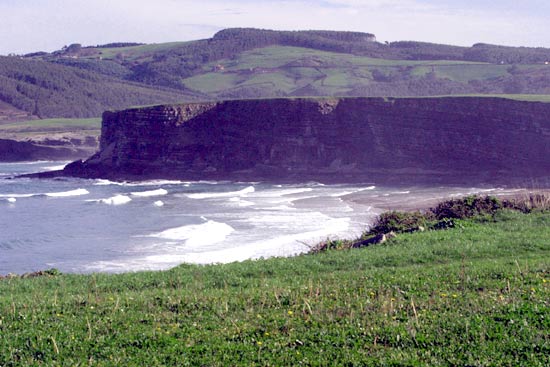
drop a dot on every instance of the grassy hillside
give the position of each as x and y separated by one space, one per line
249 63
283 70
46 89
475 295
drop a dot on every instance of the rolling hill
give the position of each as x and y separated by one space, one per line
80 82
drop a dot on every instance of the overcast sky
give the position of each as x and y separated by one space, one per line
47 25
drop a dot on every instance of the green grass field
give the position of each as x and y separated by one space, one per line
135 52
476 295
330 73
53 124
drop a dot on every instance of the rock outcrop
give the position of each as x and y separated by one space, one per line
394 140
19 151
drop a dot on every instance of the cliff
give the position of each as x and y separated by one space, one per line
395 140
19 151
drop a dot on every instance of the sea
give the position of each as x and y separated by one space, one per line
85 226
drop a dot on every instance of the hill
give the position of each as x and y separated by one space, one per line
477 294
79 81
45 89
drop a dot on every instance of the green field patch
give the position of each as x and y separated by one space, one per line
278 56
213 82
466 73
339 72
53 124
305 73
136 52
278 81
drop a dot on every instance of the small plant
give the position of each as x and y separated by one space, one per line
52 272
399 222
529 203
330 244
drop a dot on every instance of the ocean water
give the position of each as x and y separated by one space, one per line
84 226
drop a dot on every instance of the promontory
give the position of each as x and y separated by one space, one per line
391 140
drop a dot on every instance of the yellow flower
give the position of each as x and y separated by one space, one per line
266 334
455 296
443 294
259 343
290 313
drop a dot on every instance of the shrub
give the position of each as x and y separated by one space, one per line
395 221
467 207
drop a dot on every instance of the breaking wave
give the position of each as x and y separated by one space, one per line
159 192
76 192
197 235
115 200
209 195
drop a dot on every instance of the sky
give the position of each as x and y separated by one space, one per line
47 25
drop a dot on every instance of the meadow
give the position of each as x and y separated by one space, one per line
285 69
40 129
477 294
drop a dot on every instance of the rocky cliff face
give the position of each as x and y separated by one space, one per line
399 140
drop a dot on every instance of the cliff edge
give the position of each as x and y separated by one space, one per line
394 140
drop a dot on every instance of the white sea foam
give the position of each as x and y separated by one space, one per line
115 200
245 203
202 235
353 191
158 203
77 192
12 200
284 192
279 207
343 193
102 182
241 203
17 195
158 192
54 168
197 235
286 245
210 195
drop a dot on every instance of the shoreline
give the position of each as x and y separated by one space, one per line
367 202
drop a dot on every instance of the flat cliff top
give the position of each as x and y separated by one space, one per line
542 98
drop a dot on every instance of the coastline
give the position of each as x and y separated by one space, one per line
244 206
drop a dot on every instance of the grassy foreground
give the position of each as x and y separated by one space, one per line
476 295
